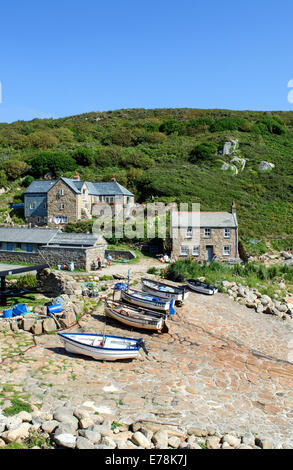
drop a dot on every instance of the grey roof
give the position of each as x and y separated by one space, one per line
111 188
77 239
51 237
204 219
27 235
40 186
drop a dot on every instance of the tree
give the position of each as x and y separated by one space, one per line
57 163
203 152
83 156
14 168
172 126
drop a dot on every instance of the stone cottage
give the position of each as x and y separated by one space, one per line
50 246
205 236
58 202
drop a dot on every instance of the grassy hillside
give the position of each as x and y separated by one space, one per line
166 154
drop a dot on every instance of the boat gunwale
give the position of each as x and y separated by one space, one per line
136 347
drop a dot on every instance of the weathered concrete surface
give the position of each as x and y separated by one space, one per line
222 365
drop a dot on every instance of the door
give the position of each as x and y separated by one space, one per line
209 253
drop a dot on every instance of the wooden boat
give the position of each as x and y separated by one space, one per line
202 287
136 317
164 290
102 347
148 301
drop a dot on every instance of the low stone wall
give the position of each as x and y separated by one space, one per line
118 254
81 257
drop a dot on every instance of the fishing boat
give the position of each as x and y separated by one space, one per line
164 290
136 317
146 300
202 287
102 347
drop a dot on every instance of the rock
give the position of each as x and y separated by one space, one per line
16 434
174 442
37 328
13 422
231 440
24 416
49 325
107 441
141 440
49 426
68 319
64 428
92 436
196 432
265 166
286 255
85 423
65 440
248 439
83 443
80 413
147 433
160 439
27 323
264 443
213 442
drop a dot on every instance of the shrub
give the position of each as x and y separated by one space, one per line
203 152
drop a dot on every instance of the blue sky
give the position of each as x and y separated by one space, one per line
67 57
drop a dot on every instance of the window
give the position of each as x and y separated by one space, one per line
189 232
61 192
227 233
39 220
32 205
227 250
65 219
29 248
207 233
196 250
109 199
45 205
61 207
184 250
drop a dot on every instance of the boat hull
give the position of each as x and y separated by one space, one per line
163 290
201 288
161 305
141 322
82 343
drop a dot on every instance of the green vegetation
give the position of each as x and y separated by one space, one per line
162 154
17 406
251 274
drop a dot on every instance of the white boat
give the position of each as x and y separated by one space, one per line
136 317
102 347
164 290
146 300
201 287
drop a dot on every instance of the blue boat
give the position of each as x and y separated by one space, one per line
148 301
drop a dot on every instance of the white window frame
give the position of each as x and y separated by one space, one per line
64 219
32 205
184 250
196 250
227 233
189 232
225 251
207 233
62 192
61 207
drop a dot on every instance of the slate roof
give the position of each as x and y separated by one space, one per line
111 188
40 186
27 235
77 239
204 219
51 237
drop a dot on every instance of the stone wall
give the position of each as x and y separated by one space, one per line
81 257
69 199
118 254
217 241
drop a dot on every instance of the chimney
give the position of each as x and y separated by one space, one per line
233 208
76 176
113 179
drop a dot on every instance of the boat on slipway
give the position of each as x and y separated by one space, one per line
136 317
164 290
146 300
201 287
102 347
